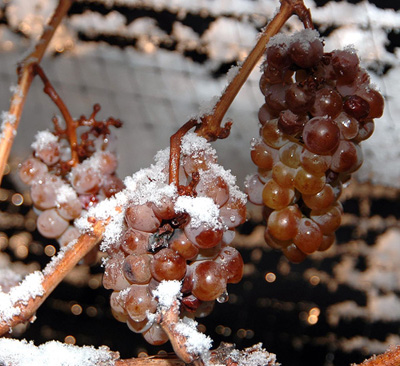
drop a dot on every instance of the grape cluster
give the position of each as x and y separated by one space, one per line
318 108
60 190
168 235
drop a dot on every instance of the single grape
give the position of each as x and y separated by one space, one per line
164 208
328 102
327 242
209 280
263 155
113 278
347 158
356 107
290 154
306 53
142 217
315 163
275 96
273 242
49 153
299 98
32 169
203 236
291 123
308 183
44 191
365 130
309 236
272 135
50 224
155 335
111 185
277 55
214 187
329 219
348 126
182 245
201 161
282 224
85 179
136 268
233 213
360 82
275 196
345 64
293 253
135 241
232 263
374 99
254 189
321 135
118 311
72 233
71 209
168 265
139 327
138 302
283 175
265 114
321 200
107 162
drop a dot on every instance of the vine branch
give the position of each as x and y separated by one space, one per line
54 273
25 76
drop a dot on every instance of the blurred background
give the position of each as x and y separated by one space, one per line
154 64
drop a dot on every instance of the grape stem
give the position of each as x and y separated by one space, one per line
69 121
54 273
25 76
209 125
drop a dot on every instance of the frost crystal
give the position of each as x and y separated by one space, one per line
167 292
42 139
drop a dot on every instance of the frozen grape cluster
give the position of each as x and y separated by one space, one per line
61 189
318 108
167 234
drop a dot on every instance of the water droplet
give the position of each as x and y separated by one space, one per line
223 298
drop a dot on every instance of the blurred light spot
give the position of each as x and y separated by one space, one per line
76 309
241 333
17 199
94 283
91 311
256 255
312 319
201 328
315 311
227 332
21 251
249 334
162 352
270 277
315 280
219 329
30 224
70 339
49 250
142 354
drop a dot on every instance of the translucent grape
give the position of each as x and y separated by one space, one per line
138 302
321 200
293 253
113 278
282 224
254 189
374 99
327 242
111 185
309 236
71 209
299 99
291 123
44 191
155 335
273 242
209 280
232 263
72 233
290 154
168 265
275 96
201 161
321 135
139 327
272 135
348 126
107 162
305 53
308 183
265 114
233 213
164 209
142 217
315 163
327 103
360 82
278 55
136 268
117 309
347 157
85 179
329 219
203 236
283 175
365 130
182 245
50 224
345 64
49 153
356 107
214 187
263 155
275 196
135 241
32 169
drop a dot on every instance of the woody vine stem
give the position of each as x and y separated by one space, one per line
208 126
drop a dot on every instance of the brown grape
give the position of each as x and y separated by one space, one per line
275 196
308 183
182 245
232 263
142 217
309 236
32 169
138 302
263 155
321 135
328 102
282 224
209 280
136 268
50 224
168 265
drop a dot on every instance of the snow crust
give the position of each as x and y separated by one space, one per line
167 292
43 139
23 353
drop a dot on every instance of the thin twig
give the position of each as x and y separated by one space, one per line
210 127
54 273
25 77
69 121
